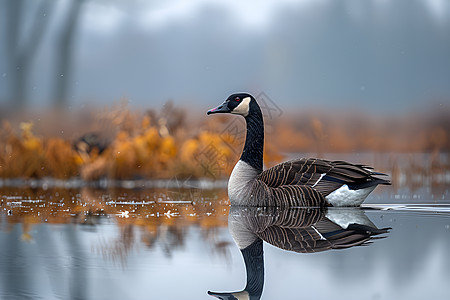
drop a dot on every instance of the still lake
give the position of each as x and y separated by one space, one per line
65 242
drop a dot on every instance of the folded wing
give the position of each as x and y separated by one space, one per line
322 175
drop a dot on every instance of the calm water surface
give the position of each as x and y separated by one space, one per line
176 244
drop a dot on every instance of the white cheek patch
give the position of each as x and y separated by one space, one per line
242 295
243 107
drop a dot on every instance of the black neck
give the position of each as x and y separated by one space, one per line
254 142
254 264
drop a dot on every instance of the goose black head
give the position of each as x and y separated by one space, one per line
239 104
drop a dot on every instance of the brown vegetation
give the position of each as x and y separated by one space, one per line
162 144
356 132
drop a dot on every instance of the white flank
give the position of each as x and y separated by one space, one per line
241 176
243 107
241 235
344 196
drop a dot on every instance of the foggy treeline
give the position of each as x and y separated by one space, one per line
26 30
369 55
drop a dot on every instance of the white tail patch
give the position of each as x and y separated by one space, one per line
344 216
344 196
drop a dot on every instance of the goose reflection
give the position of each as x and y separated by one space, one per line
302 230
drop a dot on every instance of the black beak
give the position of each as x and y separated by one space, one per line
222 108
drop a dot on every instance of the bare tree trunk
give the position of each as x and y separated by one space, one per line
22 48
64 48
16 68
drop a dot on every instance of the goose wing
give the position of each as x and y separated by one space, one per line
322 175
301 239
322 236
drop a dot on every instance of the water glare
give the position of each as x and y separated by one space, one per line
140 244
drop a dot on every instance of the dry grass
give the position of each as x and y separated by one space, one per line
355 132
162 144
140 145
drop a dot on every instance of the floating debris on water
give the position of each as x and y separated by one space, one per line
123 214
175 201
170 214
129 202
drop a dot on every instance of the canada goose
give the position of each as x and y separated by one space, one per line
300 182
299 230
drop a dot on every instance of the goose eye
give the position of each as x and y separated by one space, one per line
237 99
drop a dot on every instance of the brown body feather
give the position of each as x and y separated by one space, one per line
309 175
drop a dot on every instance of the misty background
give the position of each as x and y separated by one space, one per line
378 56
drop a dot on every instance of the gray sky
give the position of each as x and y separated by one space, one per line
384 56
